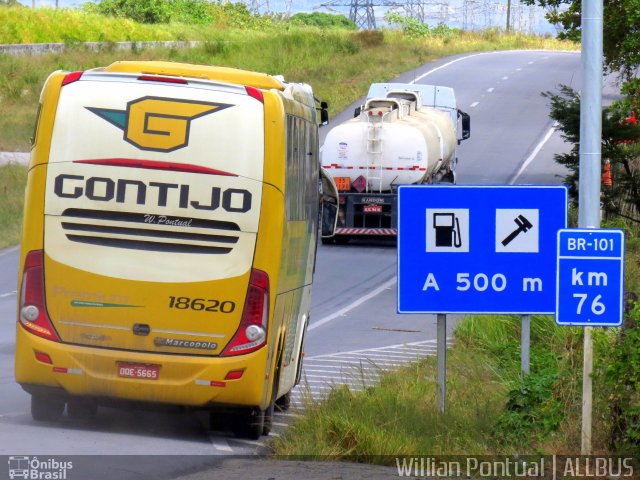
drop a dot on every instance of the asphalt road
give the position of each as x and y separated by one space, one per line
353 311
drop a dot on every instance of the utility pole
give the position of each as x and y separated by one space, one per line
258 6
508 14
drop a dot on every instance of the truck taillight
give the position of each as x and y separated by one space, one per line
33 312
252 332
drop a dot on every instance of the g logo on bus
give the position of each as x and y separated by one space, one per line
158 124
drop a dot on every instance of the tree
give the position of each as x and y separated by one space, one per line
620 148
621 27
620 135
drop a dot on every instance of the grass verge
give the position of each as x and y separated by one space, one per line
339 65
491 408
13 179
398 417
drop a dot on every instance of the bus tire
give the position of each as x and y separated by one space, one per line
249 423
82 408
46 409
327 241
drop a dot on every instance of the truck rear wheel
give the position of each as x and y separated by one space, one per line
46 409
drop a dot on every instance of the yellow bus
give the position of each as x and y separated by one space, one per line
169 241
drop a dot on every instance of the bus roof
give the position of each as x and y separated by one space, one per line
222 74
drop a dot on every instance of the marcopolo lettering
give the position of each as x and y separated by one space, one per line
103 189
173 342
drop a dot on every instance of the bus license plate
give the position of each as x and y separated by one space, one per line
372 208
343 184
137 370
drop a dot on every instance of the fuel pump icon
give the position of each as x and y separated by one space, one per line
447 227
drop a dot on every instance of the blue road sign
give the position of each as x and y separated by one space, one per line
590 282
478 249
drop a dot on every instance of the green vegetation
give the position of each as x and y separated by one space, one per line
339 64
44 25
415 28
491 408
157 11
398 417
12 182
323 20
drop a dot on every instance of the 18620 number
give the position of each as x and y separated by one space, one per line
201 304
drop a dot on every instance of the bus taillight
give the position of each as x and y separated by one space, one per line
33 312
252 333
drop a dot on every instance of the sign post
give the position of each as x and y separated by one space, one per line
525 344
441 386
590 168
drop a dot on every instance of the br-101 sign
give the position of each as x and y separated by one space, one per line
478 249
590 284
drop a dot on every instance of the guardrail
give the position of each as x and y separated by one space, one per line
44 48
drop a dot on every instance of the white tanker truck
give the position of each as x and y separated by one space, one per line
403 134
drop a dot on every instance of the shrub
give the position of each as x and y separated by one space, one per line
622 375
155 11
370 38
323 20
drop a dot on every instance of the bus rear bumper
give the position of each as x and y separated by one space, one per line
197 381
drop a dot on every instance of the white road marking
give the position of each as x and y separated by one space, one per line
9 250
518 69
433 70
288 414
490 89
371 361
505 78
220 444
365 350
391 355
353 305
278 424
530 63
474 104
533 155
8 294
11 414
250 442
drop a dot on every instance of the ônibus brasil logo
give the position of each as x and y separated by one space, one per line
156 123
32 468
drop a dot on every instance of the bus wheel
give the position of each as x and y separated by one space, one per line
82 408
249 423
45 409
